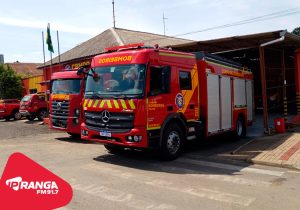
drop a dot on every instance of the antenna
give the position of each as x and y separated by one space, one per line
114 17
164 18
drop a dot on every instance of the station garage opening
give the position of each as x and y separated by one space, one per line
274 59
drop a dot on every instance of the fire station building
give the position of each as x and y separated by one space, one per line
273 57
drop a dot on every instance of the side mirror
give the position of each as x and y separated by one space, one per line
80 71
96 76
84 71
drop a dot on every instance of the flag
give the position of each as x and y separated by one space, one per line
48 39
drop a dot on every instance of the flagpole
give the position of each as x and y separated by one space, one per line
50 64
44 53
58 47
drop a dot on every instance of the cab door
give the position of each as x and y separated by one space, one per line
159 100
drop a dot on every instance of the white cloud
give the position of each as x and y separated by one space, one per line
42 25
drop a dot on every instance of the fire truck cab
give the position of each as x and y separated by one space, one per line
144 97
65 101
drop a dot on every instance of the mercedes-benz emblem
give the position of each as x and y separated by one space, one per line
105 116
59 105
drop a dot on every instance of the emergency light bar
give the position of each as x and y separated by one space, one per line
116 48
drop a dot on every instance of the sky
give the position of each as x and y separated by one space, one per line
22 22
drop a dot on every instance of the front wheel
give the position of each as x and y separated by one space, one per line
113 149
74 135
172 142
42 114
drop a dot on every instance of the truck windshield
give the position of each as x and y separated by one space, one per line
116 81
26 98
67 86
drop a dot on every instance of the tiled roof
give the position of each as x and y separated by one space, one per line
26 69
115 37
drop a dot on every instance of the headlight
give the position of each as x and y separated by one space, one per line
76 112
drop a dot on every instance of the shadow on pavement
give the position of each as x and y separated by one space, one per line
150 161
75 140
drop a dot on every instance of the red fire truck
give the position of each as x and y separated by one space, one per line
173 97
66 94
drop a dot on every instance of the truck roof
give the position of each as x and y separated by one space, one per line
217 59
141 55
69 74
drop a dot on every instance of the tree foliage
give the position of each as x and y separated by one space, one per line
296 31
10 83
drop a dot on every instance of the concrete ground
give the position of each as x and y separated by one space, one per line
139 180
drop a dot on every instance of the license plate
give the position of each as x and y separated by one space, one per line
105 133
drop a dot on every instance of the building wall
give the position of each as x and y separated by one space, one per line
32 84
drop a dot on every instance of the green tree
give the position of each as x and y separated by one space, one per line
296 31
10 83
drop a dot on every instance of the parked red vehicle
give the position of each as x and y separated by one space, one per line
141 97
34 105
9 108
67 90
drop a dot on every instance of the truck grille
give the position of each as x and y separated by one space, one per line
60 108
113 121
60 113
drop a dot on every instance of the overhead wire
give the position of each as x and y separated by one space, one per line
270 16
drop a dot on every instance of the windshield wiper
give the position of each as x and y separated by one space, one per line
123 96
93 95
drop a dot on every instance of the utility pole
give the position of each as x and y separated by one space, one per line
114 18
164 18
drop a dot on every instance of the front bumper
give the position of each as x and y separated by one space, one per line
67 124
24 113
120 138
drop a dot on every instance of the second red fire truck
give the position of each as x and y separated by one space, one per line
66 94
143 97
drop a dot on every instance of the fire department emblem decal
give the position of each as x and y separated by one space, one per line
179 101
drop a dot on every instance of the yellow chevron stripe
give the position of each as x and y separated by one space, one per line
108 104
101 104
123 104
116 104
96 103
85 101
90 103
132 106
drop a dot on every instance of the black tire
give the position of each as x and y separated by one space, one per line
113 149
42 114
30 117
240 130
172 142
74 135
17 115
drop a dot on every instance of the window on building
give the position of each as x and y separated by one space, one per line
32 91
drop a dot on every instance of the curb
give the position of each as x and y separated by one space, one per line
281 165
